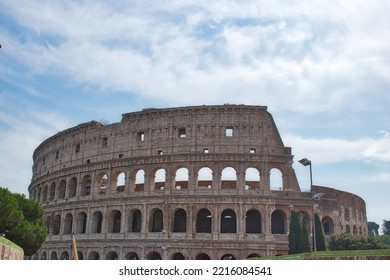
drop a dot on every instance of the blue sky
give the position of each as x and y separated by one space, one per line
321 67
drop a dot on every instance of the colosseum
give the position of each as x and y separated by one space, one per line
197 182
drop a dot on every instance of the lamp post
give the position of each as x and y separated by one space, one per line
316 195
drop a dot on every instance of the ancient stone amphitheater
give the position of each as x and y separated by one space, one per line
200 182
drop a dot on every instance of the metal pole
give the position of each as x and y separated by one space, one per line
312 211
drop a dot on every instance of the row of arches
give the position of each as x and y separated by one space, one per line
228 222
153 255
205 178
178 221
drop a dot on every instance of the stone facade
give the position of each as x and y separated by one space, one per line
201 182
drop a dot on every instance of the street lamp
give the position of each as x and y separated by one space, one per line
316 195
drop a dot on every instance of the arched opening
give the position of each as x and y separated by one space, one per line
203 221
135 221
252 179
178 256
276 179
97 220
44 256
327 225
180 221
355 230
228 178
181 178
227 257
252 221
72 187
140 181
52 191
278 222
228 221
56 224
202 256
81 222
53 256
132 256
254 255
347 229
102 182
115 218
159 179
120 182
154 256
86 185
93 256
64 255
205 178
156 221
68 224
80 255
112 256
44 193
48 224
62 189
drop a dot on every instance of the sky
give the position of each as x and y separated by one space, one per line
321 67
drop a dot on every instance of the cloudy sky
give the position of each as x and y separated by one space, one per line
321 67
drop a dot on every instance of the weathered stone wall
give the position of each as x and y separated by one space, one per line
10 251
190 182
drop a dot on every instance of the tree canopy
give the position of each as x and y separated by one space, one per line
386 227
21 221
373 229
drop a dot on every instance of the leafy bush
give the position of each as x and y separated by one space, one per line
346 241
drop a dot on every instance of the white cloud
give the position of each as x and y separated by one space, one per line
329 150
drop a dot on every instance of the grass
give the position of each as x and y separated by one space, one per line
332 254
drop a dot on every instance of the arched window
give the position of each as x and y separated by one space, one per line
180 221
52 192
347 229
228 221
228 257
228 178
203 221
64 255
276 179
135 221
81 222
93 256
53 256
252 179
56 224
97 220
44 193
327 224
132 256
62 189
205 178
181 178
156 221
112 256
48 224
68 224
86 185
178 256
120 182
72 187
140 180
115 218
154 256
102 183
278 222
202 256
253 222
159 179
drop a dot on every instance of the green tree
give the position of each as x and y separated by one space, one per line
321 246
304 245
386 227
373 229
294 235
21 221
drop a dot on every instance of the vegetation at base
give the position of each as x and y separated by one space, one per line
346 241
21 221
320 238
332 254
